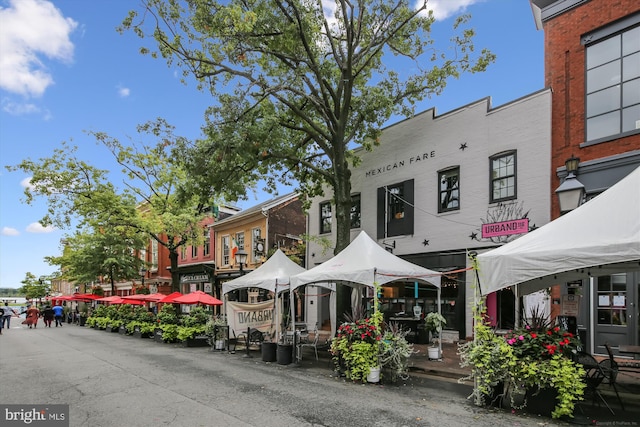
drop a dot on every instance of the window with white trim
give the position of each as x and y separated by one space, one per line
503 177
226 250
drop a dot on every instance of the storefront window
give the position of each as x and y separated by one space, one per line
612 300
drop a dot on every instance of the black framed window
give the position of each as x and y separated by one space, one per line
395 209
503 177
206 248
449 189
355 211
325 217
612 68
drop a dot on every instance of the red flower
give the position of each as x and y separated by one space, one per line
534 335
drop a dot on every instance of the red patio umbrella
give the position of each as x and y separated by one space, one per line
197 297
85 297
169 298
146 297
115 299
62 298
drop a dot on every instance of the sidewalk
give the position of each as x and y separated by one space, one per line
588 412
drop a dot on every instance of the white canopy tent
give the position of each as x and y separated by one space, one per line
599 238
365 263
274 275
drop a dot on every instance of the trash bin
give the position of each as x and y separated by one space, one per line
284 354
269 350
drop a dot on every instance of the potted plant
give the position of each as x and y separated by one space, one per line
357 347
192 331
532 364
167 322
216 330
396 350
433 322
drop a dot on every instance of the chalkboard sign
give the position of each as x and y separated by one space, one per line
568 323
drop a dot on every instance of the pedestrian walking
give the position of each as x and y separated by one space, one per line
47 315
7 312
58 312
32 317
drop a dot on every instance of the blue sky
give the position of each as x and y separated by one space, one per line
65 70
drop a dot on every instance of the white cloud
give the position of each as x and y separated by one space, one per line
36 227
123 91
443 9
32 30
8 231
19 108
26 183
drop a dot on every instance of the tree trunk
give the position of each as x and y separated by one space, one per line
175 278
342 200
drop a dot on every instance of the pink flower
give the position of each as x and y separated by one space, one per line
521 338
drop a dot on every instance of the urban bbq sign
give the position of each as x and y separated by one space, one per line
505 228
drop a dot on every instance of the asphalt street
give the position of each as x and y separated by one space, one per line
115 380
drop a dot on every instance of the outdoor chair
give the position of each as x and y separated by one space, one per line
610 370
315 343
593 377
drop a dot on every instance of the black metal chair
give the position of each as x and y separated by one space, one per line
610 370
594 376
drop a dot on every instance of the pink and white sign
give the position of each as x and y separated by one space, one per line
505 228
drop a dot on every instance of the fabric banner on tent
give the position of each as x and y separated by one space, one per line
241 315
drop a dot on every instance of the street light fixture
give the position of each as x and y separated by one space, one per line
571 191
241 258
143 273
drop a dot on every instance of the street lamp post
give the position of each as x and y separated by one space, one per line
143 272
571 191
241 258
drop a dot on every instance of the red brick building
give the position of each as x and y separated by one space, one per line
592 65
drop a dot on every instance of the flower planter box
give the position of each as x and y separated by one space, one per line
82 321
199 341
538 401
138 334
114 330
157 336
122 330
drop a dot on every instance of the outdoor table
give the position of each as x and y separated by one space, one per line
632 349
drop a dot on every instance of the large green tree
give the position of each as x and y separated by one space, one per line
106 254
33 287
147 202
298 84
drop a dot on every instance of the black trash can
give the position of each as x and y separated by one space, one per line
284 354
269 350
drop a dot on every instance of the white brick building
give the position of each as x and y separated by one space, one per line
425 192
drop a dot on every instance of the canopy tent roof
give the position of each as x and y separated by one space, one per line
365 262
599 238
277 269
